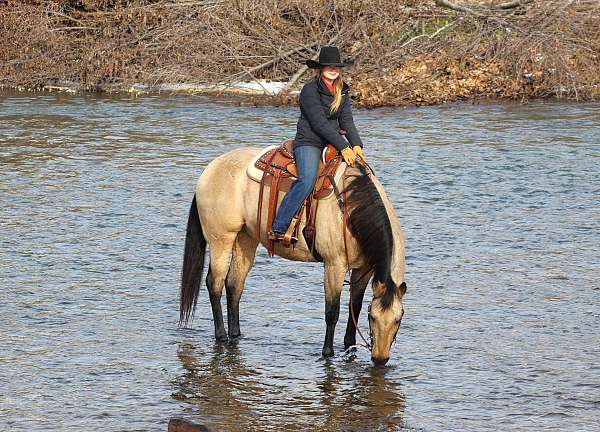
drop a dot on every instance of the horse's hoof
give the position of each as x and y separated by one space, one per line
349 343
327 352
350 349
222 338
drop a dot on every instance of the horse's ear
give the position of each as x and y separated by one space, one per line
403 288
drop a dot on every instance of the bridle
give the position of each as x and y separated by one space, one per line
369 344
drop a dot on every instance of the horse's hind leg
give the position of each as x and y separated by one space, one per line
244 251
358 284
220 250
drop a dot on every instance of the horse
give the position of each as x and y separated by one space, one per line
223 214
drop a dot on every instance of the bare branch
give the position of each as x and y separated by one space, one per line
270 62
430 36
512 4
72 28
64 16
454 6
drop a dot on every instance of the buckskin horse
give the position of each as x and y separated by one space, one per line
223 214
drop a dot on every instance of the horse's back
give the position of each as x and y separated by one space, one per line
228 199
221 188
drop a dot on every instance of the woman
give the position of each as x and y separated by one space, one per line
325 110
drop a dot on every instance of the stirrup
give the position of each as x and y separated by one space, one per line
289 238
287 242
275 235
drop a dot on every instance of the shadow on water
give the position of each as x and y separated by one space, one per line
225 393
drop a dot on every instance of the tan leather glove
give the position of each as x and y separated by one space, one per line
359 152
349 156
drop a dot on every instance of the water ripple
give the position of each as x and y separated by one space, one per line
499 208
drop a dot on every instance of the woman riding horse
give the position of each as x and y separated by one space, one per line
325 111
356 228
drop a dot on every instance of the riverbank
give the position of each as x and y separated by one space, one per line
406 53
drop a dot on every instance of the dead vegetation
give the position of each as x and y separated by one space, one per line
406 52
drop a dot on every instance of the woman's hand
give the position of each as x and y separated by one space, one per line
349 156
359 152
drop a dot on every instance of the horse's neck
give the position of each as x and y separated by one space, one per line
398 260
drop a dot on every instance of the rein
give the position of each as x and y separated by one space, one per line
367 345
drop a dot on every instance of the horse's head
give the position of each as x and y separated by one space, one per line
385 314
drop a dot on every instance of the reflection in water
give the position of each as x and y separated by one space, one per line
361 398
230 395
220 385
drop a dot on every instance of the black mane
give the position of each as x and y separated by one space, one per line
369 223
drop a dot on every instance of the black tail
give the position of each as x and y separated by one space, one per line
193 266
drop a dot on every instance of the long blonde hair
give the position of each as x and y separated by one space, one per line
337 90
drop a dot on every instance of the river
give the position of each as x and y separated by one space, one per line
500 207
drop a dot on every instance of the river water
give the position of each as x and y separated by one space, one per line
500 205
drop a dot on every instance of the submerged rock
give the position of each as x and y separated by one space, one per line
180 425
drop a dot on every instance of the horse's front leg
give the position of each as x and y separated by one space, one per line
358 284
334 280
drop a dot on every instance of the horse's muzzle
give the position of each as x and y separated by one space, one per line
379 361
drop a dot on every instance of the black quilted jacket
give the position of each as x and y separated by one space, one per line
317 125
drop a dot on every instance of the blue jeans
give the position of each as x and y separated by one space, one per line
307 162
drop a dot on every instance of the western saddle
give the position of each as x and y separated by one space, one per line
279 171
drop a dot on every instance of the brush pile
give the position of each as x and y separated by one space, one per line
405 51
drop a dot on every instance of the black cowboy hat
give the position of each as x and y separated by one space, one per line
328 56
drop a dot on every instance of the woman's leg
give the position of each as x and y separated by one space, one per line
307 162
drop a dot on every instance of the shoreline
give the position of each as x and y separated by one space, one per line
259 93
251 88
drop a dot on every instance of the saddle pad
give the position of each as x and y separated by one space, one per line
253 172
256 174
